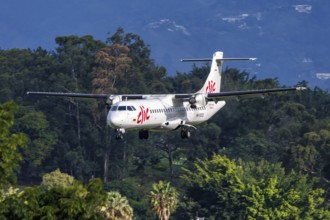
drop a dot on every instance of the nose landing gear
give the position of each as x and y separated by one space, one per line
120 133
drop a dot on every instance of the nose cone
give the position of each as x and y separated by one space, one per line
114 119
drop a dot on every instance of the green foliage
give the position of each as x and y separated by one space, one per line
56 179
70 202
225 190
216 185
40 143
275 147
136 192
164 199
9 144
117 207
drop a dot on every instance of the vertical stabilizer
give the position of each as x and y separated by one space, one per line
213 81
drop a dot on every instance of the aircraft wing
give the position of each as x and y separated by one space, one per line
210 96
240 94
249 93
85 95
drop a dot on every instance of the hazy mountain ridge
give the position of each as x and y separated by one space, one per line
289 38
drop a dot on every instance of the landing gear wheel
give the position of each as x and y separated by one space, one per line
144 134
185 133
119 136
120 133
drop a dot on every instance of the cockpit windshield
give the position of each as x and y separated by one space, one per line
122 108
130 108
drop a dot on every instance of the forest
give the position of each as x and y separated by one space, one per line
263 158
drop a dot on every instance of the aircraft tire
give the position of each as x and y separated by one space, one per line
143 134
119 136
185 133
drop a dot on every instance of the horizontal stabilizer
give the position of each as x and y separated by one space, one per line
220 59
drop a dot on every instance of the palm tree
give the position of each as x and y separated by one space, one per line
117 207
164 199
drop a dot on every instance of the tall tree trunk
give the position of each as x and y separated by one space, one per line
75 78
124 163
105 166
107 140
78 126
170 161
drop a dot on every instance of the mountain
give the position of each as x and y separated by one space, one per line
289 38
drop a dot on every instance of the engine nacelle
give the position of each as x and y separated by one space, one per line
112 99
198 100
171 125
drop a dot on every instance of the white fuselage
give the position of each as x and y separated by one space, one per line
159 113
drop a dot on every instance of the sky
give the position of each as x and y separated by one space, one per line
29 24
34 23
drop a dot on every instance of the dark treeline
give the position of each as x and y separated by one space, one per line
275 149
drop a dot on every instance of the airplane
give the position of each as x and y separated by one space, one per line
166 112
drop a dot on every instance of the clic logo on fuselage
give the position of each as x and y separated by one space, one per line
210 87
143 115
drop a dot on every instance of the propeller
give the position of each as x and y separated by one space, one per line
192 101
109 102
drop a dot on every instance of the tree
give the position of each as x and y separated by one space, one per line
56 179
271 193
72 71
165 145
224 189
64 198
9 144
111 64
40 141
116 207
164 199
216 185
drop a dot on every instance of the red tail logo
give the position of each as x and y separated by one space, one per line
143 115
210 87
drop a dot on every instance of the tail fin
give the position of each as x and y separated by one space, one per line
213 81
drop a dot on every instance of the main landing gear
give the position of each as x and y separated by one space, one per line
143 134
185 133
